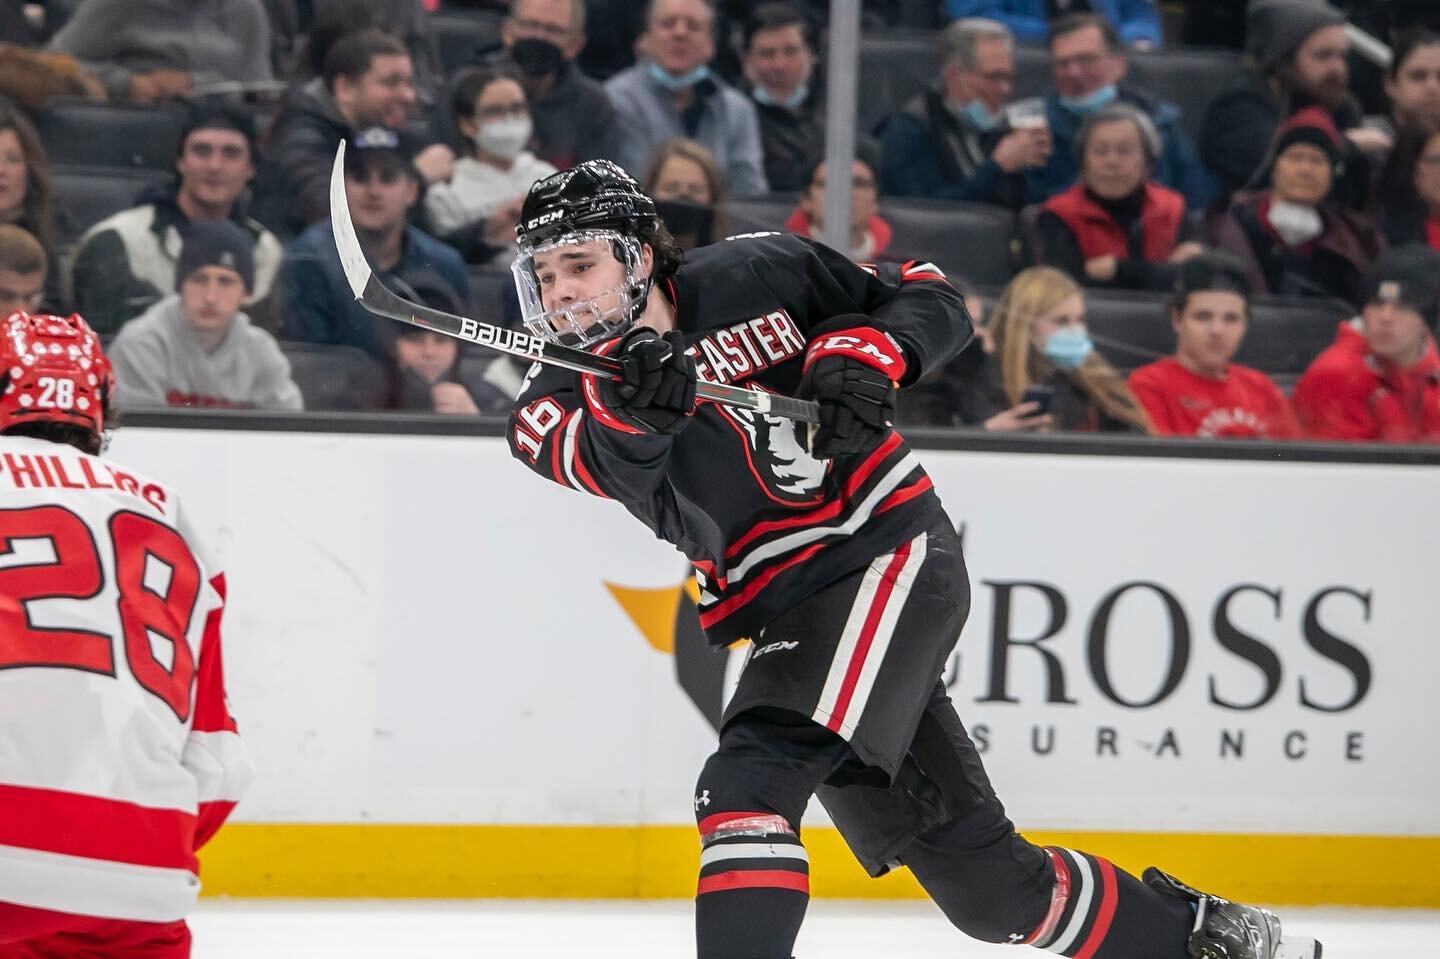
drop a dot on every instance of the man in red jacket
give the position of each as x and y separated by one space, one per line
1198 391
1380 380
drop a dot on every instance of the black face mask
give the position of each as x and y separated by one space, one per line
684 219
536 58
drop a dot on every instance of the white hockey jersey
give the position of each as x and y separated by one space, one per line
118 756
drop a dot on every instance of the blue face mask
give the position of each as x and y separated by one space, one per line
1090 102
765 98
981 116
1068 346
684 81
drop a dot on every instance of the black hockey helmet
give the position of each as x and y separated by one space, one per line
595 195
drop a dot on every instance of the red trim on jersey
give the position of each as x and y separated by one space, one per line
211 714
713 615
1106 914
1059 897
555 443
754 879
90 827
883 592
829 510
866 344
909 272
905 495
590 389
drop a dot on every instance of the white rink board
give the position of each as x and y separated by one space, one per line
419 632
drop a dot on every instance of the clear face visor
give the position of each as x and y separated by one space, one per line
581 289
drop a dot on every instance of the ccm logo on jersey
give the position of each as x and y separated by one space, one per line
511 341
744 349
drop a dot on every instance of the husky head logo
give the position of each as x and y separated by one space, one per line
786 471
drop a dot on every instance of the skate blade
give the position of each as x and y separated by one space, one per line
1294 947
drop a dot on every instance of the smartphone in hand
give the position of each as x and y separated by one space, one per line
1042 395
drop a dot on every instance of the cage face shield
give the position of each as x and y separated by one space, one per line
582 288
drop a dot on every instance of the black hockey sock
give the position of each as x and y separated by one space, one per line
1100 912
754 887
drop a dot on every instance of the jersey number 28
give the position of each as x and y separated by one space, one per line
78 574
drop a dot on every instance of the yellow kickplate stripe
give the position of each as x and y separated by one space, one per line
660 862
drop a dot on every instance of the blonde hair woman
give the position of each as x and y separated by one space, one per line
1043 353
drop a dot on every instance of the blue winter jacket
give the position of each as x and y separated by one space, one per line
1133 19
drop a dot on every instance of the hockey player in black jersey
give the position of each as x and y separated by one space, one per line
830 550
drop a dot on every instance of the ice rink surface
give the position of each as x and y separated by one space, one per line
231 929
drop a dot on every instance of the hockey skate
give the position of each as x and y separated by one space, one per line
1231 930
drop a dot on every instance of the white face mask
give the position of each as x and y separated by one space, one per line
504 138
1295 224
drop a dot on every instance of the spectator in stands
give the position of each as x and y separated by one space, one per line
164 49
23 266
1413 82
1292 239
1380 381
1115 227
197 348
1088 64
573 116
1297 50
779 65
1199 391
304 31
126 262
429 373
381 184
672 92
368 80
689 192
1408 190
1043 356
25 178
870 235
954 142
495 170
1135 21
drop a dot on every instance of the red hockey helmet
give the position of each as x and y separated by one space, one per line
53 370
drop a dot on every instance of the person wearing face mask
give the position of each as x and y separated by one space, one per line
689 192
496 167
571 112
1115 227
671 92
1087 63
1293 239
1042 348
779 64
955 140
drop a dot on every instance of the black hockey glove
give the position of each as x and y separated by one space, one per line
851 369
656 389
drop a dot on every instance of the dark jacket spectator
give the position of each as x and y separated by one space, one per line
1088 63
304 30
573 116
316 301
1412 83
1297 49
672 92
1115 227
1136 21
779 63
1408 190
1292 240
160 49
957 141
1380 381
126 262
430 372
689 192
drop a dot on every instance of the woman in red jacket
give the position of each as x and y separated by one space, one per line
1115 227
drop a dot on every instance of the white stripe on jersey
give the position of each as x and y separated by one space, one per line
855 625
804 537
92 887
220 764
1079 870
753 850
567 451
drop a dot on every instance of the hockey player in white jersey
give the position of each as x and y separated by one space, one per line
118 756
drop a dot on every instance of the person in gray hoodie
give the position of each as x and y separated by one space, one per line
196 348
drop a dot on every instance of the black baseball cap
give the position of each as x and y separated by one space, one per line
379 148
1408 275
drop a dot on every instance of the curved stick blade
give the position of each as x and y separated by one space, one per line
352 258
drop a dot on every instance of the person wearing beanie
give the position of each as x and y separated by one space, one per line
1292 238
1200 391
1380 380
126 262
1295 57
195 348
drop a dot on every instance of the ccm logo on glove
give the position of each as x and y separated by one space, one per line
868 345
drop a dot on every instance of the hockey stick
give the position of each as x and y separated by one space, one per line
378 299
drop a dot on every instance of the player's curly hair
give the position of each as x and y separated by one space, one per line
668 255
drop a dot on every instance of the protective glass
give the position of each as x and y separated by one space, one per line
555 270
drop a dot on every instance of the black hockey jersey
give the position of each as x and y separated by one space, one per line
763 523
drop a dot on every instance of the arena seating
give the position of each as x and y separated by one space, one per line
335 377
463 36
82 132
85 195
